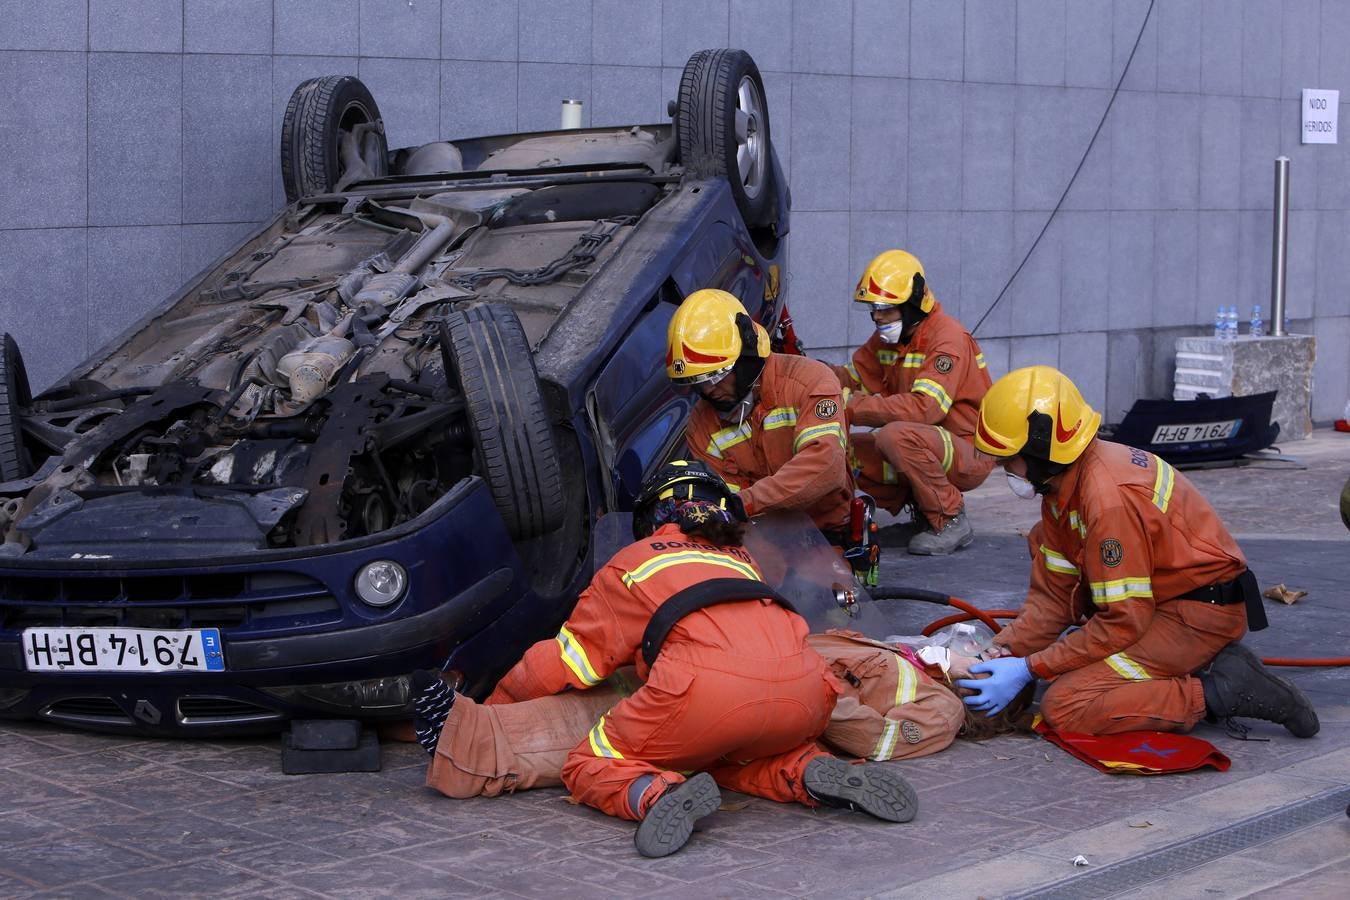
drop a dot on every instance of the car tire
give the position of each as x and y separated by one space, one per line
14 397
512 436
320 112
1345 504
722 125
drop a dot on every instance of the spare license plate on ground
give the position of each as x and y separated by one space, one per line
122 650
1203 431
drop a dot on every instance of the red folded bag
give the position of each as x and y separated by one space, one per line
1136 752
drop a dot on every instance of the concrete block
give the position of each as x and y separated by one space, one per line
935 114
1217 258
1220 152
989 138
818 275
992 38
870 233
936 239
45 306
1130 261
1176 272
147 26
1033 350
880 155
43 139
53 25
1085 240
688 26
881 37
1220 48
471 29
1300 55
1041 41
1333 264
315 27
821 122
1052 129
778 94
626 32
762 28
1130 26
1335 37
625 95
1247 366
397 28
996 352
137 269
228 154
287 74
1301 270
1179 27
1262 24
1127 367
1033 298
1177 160
205 244
223 26
555 31
1260 146
1083 358
1331 371
544 86
1092 189
822 36
1134 154
987 261
135 139
408 92
936 39
1087 50
478 99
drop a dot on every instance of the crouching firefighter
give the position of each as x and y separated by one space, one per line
1126 541
730 689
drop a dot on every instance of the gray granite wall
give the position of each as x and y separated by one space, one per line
139 138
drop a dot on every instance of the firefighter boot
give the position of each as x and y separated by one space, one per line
953 536
667 825
1237 684
874 788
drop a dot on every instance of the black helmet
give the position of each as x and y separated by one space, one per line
681 481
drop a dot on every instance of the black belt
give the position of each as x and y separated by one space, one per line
1242 589
700 596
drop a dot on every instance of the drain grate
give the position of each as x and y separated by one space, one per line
1189 854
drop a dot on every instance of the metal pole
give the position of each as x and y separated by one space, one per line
1279 257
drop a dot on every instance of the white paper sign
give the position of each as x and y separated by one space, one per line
1319 111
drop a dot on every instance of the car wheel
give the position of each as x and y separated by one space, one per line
14 396
1345 504
722 122
331 134
512 437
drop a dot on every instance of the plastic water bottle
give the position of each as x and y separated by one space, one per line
1220 324
1258 325
1232 323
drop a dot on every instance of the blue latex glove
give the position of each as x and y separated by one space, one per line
1007 676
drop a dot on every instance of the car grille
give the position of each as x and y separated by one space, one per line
219 710
87 710
165 601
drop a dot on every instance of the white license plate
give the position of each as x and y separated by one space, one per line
122 650
1203 431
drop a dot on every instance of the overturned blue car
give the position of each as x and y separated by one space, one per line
376 436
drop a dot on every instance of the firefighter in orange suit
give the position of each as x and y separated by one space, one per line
1125 541
770 424
732 692
918 380
889 708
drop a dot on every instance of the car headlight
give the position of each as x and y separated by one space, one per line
381 583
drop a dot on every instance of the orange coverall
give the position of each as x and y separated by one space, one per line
735 690
925 396
790 452
1123 539
889 708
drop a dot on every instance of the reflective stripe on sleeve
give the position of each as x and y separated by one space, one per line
1163 484
907 681
724 440
1056 562
666 560
600 742
574 655
890 735
888 475
807 435
979 361
1120 589
887 357
1127 668
914 360
1076 523
781 417
932 389
853 373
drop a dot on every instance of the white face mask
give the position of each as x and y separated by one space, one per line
1021 487
890 332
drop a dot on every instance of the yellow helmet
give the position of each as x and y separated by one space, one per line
1036 412
892 279
708 334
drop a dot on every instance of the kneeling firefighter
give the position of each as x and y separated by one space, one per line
730 690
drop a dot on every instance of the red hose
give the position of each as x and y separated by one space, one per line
1308 663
